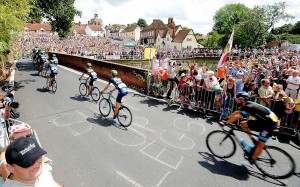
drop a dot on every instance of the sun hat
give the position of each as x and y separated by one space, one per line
18 128
287 100
24 152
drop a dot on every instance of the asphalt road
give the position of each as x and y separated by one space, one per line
163 146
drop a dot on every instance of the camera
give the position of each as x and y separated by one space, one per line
10 104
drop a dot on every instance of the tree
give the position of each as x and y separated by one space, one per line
296 28
251 25
60 14
228 16
142 23
13 15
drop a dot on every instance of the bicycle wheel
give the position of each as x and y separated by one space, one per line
125 116
275 163
54 86
104 107
95 94
220 144
82 89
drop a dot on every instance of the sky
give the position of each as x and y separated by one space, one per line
194 14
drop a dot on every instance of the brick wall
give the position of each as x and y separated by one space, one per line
131 76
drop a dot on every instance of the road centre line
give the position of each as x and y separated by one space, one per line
128 179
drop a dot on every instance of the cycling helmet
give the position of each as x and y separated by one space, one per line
243 95
114 72
54 55
89 65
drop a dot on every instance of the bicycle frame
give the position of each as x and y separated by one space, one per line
232 134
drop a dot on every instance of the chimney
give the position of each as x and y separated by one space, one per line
79 23
95 15
89 22
128 25
33 21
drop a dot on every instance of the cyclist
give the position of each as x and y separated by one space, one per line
265 123
119 85
35 52
92 75
53 72
54 58
41 59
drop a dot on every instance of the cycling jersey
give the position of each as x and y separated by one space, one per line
42 59
53 69
259 112
93 75
117 82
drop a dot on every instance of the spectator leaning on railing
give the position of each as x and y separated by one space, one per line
293 83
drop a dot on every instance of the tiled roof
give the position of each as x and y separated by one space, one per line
156 24
95 27
79 29
181 35
130 28
38 26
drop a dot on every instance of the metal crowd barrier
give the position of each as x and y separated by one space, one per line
217 105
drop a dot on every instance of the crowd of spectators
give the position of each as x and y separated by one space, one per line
271 78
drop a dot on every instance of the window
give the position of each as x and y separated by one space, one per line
189 47
175 47
188 39
158 39
168 39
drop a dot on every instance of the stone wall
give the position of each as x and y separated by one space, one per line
131 76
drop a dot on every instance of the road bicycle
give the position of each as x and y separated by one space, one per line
273 161
106 105
51 86
83 89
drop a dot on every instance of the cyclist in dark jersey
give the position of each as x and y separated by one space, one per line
120 86
92 75
265 122
53 72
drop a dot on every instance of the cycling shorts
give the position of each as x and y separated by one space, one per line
91 83
52 75
120 96
265 128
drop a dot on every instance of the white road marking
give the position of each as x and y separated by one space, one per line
129 145
162 180
184 148
188 126
161 152
128 179
181 137
156 158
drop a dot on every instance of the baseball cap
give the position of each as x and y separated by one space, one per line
24 152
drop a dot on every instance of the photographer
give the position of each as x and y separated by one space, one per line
6 104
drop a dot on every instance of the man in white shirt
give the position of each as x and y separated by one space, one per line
293 83
24 159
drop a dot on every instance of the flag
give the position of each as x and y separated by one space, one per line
226 51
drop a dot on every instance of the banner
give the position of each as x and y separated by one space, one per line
149 53
226 51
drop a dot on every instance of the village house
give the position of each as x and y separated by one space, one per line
94 30
34 27
168 36
132 31
114 30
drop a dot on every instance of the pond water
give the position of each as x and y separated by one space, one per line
210 63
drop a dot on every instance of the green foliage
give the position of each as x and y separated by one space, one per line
118 25
214 39
296 28
185 28
251 25
13 15
142 23
60 14
228 16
